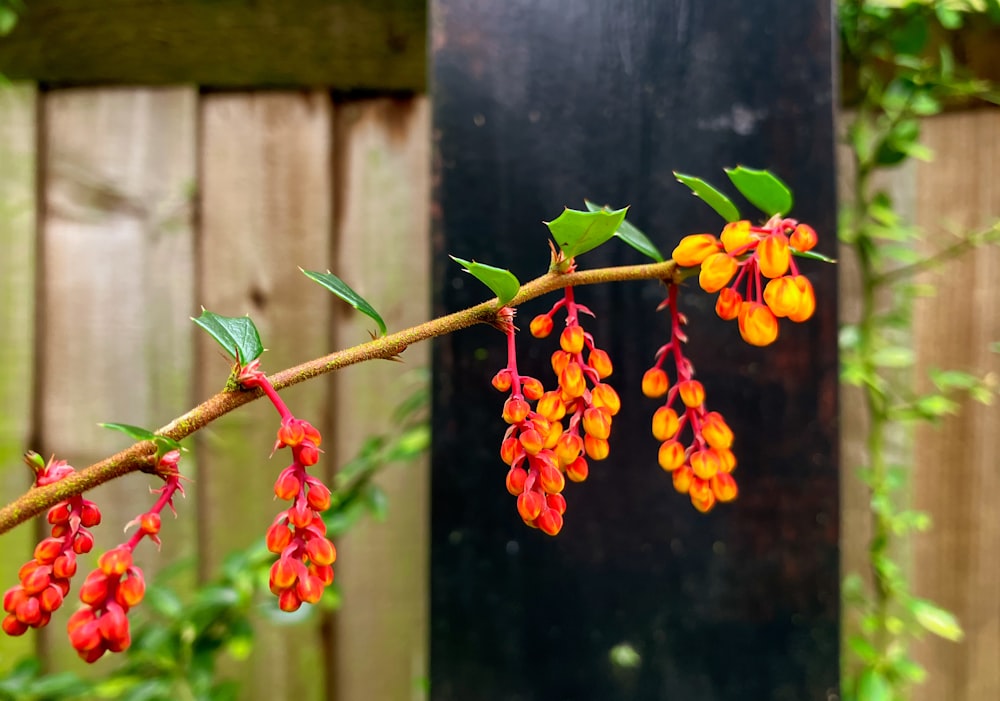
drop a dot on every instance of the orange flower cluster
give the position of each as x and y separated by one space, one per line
745 254
45 580
701 468
540 451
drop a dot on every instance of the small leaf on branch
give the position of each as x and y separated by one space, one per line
936 620
712 197
344 291
630 234
873 686
237 335
164 444
577 232
813 255
762 189
504 283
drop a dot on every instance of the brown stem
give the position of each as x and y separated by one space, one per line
141 455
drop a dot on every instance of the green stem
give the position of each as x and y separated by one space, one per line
142 456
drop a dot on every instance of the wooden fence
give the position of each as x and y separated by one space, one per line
123 210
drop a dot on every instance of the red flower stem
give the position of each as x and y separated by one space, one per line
515 378
166 495
272 394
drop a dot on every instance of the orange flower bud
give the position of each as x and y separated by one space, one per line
95 588
59 513
278 537
319 496
571 339
515 480
597 448
804 238
773 255
670 455
605 397
716 272
655 383
307 453
502 380
83 543
665 423
758 325
692 393
700 489
309 589
728 460
13 627
807 305
50 599
578 470
716 431
531 441
289 601
560 359
288 484
724 487
149 523
90 515
530 505
552 437
130 590
515 410
323 572
550 479
550 522
736 235
727 306
705 463
683 476
550 405
291 433
568 448
783 296
702 500
284 572
693 249
321 551
597 423
557 502
601 362
541 326
572 380
115 562
510 449
48 550
36 581
532 388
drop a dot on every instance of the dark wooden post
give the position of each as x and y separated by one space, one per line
537 105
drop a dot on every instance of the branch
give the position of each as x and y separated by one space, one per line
141 456
970 242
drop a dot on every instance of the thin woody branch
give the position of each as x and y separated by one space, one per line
141 456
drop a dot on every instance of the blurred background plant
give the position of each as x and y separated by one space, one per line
180 640
900 69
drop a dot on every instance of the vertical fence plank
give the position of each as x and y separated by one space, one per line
265 209
17 319
117 276
956 476
383 252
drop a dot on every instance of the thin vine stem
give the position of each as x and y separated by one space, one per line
142 455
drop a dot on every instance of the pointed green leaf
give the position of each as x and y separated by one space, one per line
135 432
935 619
577 232
713 198
813 255
503 282
873 686
630 234
762 189
237 335
343 290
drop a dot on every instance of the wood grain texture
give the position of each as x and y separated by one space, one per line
265 209
383 252
117 266
346 44
17 319
957 479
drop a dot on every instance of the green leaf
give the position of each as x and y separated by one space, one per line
894 357
762 189
812 255
343 290
861 647
503 282
631 235
135 432
936 620
713 198
873 686
8 20
237 335
577 232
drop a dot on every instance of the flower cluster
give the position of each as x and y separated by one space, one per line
297 535
101 624
702 467
744 254
589 403
45 580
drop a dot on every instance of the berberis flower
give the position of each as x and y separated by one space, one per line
745 254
